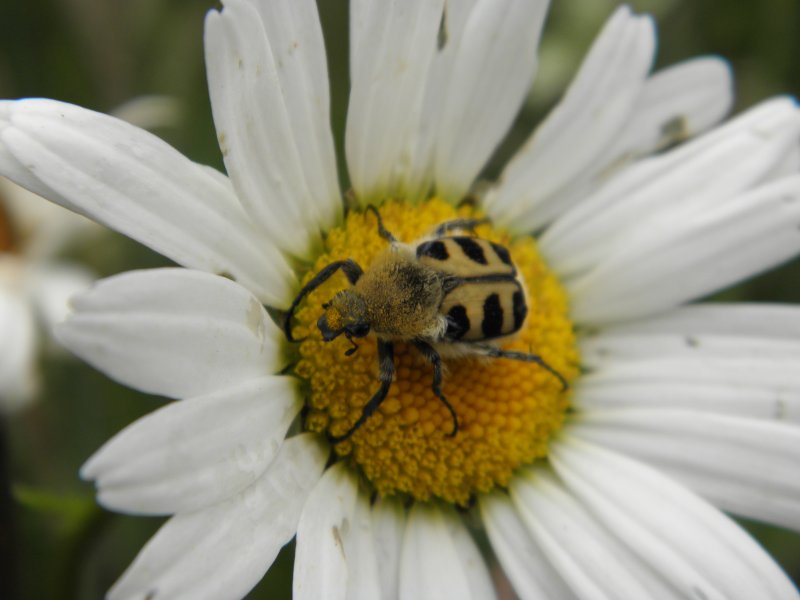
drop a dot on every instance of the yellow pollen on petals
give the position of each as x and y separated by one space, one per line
507 409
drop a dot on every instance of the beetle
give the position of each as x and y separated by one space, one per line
450 294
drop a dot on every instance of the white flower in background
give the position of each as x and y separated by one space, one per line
34 284
607 492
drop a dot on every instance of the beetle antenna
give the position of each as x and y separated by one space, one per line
350 269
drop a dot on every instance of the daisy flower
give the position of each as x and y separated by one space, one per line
35 284
610 489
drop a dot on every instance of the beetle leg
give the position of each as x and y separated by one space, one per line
349 267
463 224
386 374
493 352
432 356
382 231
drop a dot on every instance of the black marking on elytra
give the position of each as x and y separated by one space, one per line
435 249
520 309
492 324
472 249
502 253
457 323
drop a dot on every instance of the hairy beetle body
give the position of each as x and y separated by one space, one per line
449 295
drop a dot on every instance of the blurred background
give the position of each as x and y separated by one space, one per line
102 53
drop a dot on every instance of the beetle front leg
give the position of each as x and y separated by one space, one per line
386 375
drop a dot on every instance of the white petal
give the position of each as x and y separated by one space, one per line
704 172
361 18
222 551
52 287
135 183
336 549
453 23
18 345
766 387
320 564
616 346
439 559
173 332
576 135
388 522
587 556
669 259
788 165
412 176
733 359
737 360
269 93
17 173
472 563
740 320
689 544
493 67
522 559
394 46
363 581
675 104
742 465
293 28
191 454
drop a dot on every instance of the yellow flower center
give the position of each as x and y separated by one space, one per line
507 409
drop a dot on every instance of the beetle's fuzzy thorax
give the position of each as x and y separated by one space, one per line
402 296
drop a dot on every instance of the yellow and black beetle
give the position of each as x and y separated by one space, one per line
451 295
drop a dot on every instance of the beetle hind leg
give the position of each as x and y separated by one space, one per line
493 352
456 224
382 231
432 356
